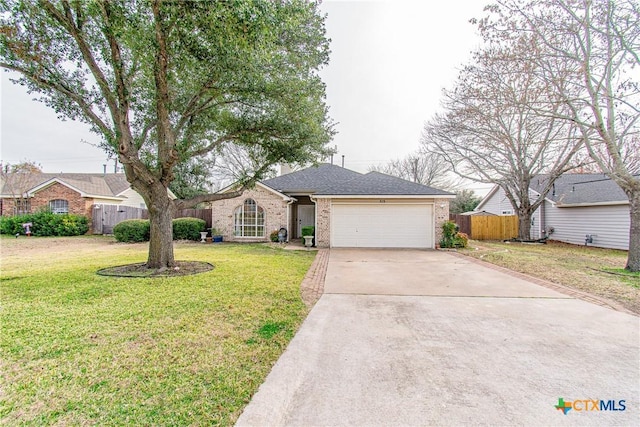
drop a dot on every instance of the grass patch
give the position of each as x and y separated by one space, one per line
631 277
584 268
79 348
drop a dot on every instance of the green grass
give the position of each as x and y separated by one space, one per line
632 278
585 268
78 348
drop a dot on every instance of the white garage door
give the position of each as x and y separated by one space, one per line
382 225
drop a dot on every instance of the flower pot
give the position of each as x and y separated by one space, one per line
308 241
217 239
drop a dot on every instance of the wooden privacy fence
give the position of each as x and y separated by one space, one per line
487 227
463 221
494 227
105 217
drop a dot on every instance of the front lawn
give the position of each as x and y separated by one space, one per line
594 270
83 349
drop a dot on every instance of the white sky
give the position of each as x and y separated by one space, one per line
389 62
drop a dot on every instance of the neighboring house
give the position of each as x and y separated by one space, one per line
72 193
578 205
347 208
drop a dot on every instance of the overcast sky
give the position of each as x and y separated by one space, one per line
389 63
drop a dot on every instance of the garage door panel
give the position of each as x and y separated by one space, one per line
382 225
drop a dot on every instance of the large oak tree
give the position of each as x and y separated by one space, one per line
167 81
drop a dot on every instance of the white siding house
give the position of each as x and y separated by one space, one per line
607 224
496 202
578 206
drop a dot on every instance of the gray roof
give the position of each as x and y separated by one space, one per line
309 180
97 184
581 188
327 179
376 183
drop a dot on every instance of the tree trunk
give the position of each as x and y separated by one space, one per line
161 212
524 225
633 258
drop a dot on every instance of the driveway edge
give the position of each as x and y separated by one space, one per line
312 286
550 285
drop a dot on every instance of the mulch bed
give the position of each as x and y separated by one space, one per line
182 268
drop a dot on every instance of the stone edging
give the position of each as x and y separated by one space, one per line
312 285
547 284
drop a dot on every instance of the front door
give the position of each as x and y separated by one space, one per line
306 217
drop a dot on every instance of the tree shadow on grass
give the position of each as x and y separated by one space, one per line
182 268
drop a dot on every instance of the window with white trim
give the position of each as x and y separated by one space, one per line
22 206
248 220
59 206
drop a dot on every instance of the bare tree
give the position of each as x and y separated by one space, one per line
423 168
234 163
600 42
490 133
16 180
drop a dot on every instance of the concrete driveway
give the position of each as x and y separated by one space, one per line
426 338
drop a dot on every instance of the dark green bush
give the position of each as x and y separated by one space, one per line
451 238
46 223
274 236
132 230
188 228
308 230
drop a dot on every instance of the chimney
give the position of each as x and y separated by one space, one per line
343 160
285 168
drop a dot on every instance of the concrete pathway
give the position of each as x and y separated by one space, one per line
426 338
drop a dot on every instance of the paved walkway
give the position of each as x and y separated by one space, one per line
428 338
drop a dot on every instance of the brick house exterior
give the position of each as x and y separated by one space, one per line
78 205
71 193
330 198
273 204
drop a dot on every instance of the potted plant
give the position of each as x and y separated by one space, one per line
216 235
308 234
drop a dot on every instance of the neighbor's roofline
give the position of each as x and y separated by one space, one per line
580 205
383 196
31 192
258 184
487 197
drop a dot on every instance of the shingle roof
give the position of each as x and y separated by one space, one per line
327 179
376 183
311 179
107 185
581 188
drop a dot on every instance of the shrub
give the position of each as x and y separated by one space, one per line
274 236
46 223
132 230
449 231
308 230
461 240
188 228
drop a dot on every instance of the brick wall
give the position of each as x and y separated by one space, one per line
323 221
77 203
275 211
441 215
